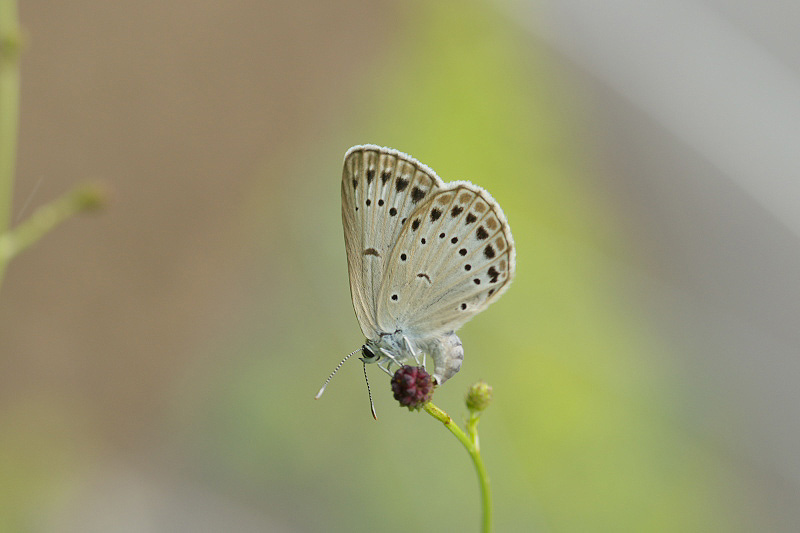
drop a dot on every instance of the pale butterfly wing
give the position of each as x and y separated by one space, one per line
453 257
381 187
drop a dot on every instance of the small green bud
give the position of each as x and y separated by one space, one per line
90 197
479 395
11 43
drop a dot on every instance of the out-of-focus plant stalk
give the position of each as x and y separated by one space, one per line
9 104
9 108
83 198
47 217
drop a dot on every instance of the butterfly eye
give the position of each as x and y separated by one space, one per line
368 355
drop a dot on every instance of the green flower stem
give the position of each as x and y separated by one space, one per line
47 217
9 104
9 108
471 444
472 429
85 198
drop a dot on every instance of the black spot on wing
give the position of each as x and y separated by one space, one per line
470 218
417 194
488 251
481 233
423 275
493 274
415 224
355 183
385 177
455 211
370 175
372 251
401 184
392 211
435 214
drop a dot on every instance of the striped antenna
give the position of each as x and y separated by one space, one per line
333 373
371 405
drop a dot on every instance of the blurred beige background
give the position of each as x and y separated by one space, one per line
178 108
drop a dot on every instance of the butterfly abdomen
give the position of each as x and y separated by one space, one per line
447 353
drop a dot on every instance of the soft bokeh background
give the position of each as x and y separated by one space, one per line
158 361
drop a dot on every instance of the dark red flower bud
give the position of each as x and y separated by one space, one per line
412 387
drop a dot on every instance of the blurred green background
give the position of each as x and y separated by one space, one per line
158 362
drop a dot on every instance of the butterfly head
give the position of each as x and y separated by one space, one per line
370 353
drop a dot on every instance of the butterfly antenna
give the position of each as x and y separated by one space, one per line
371 404
334 373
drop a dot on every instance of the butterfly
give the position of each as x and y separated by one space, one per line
424 257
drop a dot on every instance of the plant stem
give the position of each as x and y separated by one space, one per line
47 217
471 444
9 108
9 104
472 429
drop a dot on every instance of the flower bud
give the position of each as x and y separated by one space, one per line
412 387
479 395
90 197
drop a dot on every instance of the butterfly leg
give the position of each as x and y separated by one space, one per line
413 353
385 368
391 358
389 361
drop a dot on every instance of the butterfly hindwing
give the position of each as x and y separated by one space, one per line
453 257
381 187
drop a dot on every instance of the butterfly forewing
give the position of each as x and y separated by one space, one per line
453 257
381 187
